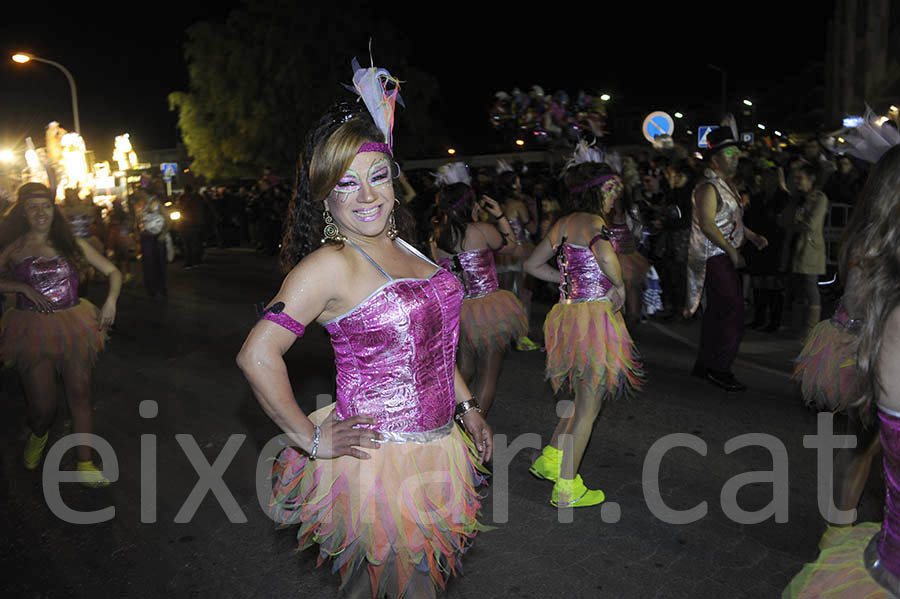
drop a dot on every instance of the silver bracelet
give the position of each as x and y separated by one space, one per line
315 449
463 407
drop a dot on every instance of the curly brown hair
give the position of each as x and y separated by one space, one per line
872 243
330 147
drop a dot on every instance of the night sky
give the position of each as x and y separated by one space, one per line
648 58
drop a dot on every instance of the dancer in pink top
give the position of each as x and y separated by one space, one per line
492 318
383 480
51 332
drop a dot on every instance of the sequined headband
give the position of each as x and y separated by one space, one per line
371 146
593 183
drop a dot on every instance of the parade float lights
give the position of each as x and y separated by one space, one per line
7 156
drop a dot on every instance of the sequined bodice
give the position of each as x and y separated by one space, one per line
518 229
581 279
52 277
889 544
622 239
478 276
396 352
81 224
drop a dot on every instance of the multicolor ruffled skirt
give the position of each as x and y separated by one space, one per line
588 341
826 367
635 267
491 322
839 572
29 337
411 508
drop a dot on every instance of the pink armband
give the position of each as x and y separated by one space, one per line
275 314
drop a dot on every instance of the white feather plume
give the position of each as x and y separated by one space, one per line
870 140
454 172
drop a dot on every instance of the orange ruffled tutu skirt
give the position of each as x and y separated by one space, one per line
826 367
410 508
588 341
29 337
491 322
839 572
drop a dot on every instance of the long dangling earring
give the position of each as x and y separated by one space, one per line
331 231
392 225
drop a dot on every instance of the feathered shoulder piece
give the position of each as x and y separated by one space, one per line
454 172
380 92
871 139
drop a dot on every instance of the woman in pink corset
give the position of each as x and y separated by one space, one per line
589 349
51 331
383 480
864 560
492 318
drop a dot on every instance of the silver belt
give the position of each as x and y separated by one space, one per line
570 300
420 437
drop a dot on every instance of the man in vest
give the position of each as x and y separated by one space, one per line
717 233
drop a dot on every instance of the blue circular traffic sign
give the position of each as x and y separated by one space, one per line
657 123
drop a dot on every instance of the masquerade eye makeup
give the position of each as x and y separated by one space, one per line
349 183
380 172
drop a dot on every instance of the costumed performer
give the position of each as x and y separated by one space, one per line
624 224
50 331
510 265
588 346
717 233
383 480
826 366
864 560
491 318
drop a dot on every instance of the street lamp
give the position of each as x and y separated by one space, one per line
606 97
22 58
748 103
7 156
678 115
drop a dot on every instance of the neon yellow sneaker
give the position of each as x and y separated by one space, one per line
547 465
34 449
573 493
526 344
89 476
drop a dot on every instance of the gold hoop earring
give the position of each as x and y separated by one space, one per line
331 231
392 225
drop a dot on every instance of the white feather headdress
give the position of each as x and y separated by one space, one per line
871 139
454 172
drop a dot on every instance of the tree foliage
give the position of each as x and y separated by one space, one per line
261 77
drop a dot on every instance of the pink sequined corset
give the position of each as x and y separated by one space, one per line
396 351
476 271
53 277
622 240
842 318
518 229
81 224
889 543
581 279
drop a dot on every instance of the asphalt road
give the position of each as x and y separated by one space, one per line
163 541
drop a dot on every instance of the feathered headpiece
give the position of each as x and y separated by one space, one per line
588 153
379 91
455 172
583 153
871 139
504 167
